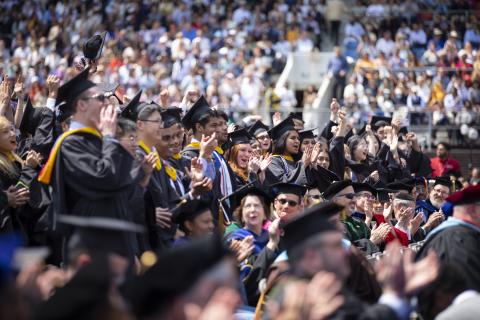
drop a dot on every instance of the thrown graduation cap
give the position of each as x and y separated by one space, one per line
171 116
176 271
31 118
249 189
306 134
257 128
85 296
198 109
335 188
101 234
189 210
130 111
311 222
92 49
285 125
287 188
240 136
69 91
380 121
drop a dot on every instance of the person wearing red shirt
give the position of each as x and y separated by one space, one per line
443 164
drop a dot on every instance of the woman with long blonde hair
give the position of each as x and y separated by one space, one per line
15 193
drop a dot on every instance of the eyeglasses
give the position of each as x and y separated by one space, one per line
154 121
100 97
347 195
264 137
291 203
366 195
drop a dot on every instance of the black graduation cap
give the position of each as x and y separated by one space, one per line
335 188
31 118
362 131
171 116
101 234
306 134
323 178
380 121
348 135
297 116
400 186
311 222
284 126
198 109
69 91
361 187
257 128
189 209
130 111
85 296
239 136
176 271
286 187
92 49
444 181
383 194
404 196
249 189
109 90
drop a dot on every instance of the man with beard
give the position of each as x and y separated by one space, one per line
443 163
431 208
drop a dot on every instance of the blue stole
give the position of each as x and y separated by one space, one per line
452 222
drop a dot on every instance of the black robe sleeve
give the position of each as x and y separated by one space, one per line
45 136
337 156
260 264
327 130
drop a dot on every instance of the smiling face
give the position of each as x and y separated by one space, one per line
253 213
360 152
88 106
244 152
8 141
287 206
346 198
164 144
150 128
177 138
201 225
292 143
306 143
264 140
438 195
323 159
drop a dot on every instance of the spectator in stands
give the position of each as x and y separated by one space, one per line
443 163
335 12
337 70
386 44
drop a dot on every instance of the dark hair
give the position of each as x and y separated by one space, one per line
237 213
204 119
221 114
146 111
279 145
445 145
124 126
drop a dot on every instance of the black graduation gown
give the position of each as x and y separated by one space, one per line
180 164
9 218
90 178
458 246
337 156
159 193
45 134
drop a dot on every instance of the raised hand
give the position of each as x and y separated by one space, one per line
207 146
274 234
307 156
254 164
421 273
265 161
276 118
415 223
164 98
317 148
390 270
33 159
323 296
196 170
19 87
149 162
4 95
200 187
243 248
375 176
53 83
108 121
434 220
334 108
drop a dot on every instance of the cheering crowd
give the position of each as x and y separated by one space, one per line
161 203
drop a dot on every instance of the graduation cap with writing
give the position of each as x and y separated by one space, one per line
85 296
189 210
176 271
379 121
240 136
257 128
130 111
101 234
31 118
306 134
69 91
311 222
193 115
285 125
171 116
249 189
287 188
335 188
92 49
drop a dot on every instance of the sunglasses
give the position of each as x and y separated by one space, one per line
291 203
348 196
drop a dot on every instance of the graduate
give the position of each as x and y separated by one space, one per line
307 138
259 131
87 169
194 219
172 118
